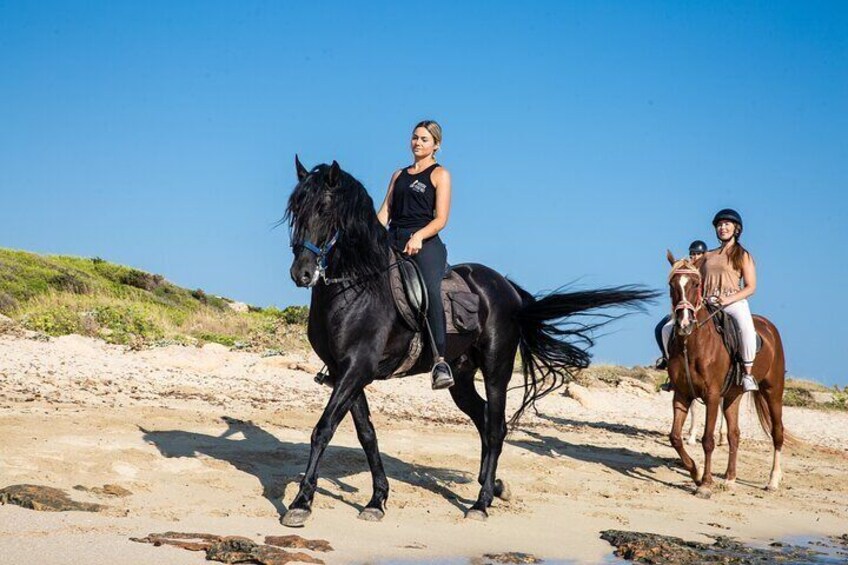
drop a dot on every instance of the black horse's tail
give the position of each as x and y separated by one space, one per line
556 332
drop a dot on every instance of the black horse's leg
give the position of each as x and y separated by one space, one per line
376 509
345 392
496 385
466 398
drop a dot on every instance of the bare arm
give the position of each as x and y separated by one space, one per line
383 212
749 275
442 182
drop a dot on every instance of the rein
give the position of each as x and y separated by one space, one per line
322 253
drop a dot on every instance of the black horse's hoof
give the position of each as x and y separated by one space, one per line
371 515
477 515
502 490
295 518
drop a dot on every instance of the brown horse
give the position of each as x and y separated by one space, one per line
698 365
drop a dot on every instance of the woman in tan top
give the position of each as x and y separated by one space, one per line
730 277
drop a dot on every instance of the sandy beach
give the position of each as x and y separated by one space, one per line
212 440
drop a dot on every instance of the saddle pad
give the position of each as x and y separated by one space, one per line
460 304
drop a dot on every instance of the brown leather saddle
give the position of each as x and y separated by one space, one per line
729 331
410 297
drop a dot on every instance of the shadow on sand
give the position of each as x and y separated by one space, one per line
277 463
634 464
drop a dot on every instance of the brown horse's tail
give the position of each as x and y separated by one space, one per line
766 423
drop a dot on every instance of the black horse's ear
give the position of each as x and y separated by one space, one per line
670 257
333 175
301 170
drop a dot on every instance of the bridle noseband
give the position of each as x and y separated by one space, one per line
683 303
321 254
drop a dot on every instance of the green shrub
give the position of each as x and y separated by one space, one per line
142 280
227 340
54 321
7 303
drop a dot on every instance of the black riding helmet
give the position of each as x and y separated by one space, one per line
728 214
697 246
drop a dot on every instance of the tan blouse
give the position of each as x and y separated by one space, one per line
720 277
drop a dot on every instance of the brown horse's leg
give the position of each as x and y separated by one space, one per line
722 435
705 488
681 409
775 407
731 415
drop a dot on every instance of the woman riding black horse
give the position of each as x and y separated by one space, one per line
342 252
416 209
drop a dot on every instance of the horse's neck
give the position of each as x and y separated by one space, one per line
704 332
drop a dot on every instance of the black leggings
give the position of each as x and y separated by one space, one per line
431 260
658 333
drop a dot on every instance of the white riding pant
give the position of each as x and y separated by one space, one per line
741 313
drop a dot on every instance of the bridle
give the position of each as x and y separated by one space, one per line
683 303
321 254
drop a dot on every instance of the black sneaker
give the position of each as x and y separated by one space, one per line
666 386
661 363
442 376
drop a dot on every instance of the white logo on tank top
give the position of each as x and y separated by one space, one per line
418 186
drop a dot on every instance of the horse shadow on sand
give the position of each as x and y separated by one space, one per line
632 464
276 463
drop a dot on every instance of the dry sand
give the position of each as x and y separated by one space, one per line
209 440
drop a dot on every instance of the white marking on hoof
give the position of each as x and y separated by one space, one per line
371 515
703 492
295 518
506 492
477 515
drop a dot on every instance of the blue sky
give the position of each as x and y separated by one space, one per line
583 138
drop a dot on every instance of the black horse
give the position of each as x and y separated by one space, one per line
341 251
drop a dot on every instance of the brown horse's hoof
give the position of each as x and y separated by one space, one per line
477 515
371 515
703 492
502 490
295 518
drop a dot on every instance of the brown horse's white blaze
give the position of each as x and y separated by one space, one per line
698 365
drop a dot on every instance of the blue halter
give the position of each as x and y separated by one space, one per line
320 252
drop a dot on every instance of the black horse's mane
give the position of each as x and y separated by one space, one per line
327 201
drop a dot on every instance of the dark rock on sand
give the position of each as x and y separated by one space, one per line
106 490
510 557
47 499
297 542
657 549
229 549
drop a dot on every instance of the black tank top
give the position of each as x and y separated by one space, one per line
413 199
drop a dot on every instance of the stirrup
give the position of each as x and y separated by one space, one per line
441 375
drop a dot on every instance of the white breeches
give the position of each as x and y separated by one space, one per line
741 312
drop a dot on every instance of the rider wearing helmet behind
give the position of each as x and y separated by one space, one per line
416 209
696 250
729 278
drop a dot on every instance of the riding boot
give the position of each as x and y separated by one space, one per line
442 376
441 372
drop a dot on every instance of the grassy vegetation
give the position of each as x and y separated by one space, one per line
60 295
797 392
